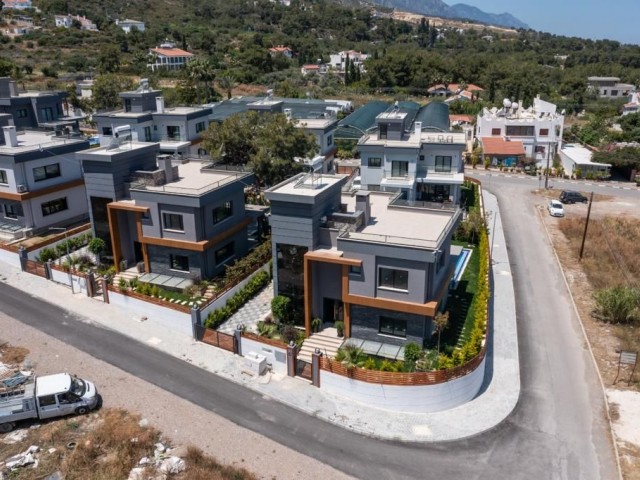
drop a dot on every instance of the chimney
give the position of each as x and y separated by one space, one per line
287 113
13 88
364 205
160 104
418 128
10 136
164 163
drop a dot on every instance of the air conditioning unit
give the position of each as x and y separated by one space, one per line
21 188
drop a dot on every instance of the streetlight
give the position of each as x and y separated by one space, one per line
66 242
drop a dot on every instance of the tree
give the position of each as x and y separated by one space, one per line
227 82
108 59
97 246
107 88
201 73
441 322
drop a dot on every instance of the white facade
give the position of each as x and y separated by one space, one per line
610 87
338 60
576 159
538 127
128 25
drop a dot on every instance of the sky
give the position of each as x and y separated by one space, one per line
596 19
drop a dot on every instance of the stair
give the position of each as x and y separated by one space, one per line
128 275
327 341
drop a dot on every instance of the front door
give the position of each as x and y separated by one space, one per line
137 251
333 310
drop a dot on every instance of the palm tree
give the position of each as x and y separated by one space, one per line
200 71
227 82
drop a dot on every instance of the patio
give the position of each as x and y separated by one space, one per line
166 281
378 349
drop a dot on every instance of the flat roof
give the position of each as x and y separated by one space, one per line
316 122
415 227
580 155
413 140
125 146
32 140
305 185
194 179
52 384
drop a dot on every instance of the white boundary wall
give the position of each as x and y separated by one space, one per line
33 254
11 258
222 300
277 357
176 321
406 398
79 283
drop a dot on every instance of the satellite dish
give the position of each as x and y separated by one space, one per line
506 103
515 105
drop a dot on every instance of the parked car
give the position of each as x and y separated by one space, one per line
569 196
357 183
555 208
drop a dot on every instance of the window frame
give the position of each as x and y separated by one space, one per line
544 132
176 262
54 206
22 113
397 163
13 214
231 253
371 162
355 270
442 168
167 222
201 127
398 284
226 207
47 173
174 129
521 131
4 178
496 132
383 131
398 329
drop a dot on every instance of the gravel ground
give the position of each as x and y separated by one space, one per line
180 420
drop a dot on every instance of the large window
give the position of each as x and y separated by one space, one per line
179 262
147 134
224 253
382 131
443 164
46 172
46 114
521 131
393 326
496 132
54 206
399 169
22 113
11 210
127 104
544 132
392 278
173 132
290 268
375 162
172 221
3 177
201 127
222 212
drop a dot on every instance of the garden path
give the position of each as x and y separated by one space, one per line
251 313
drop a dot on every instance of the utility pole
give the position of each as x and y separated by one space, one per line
586 225
546 173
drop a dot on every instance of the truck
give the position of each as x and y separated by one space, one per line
41 397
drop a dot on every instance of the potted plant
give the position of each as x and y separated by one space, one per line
340 328
316 323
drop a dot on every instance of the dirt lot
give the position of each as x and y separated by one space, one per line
606 340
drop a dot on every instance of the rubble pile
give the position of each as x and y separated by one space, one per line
159 467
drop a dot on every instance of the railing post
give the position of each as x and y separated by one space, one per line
105 289
23 255
315 367
91 284
292 359
237 340
48 270
195 320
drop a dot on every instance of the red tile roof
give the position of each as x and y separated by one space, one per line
311 67
280 48
172 52
461 118
500 146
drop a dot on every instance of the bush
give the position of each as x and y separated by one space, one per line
47 254
289 334
281 308
412 353
620 304
97 246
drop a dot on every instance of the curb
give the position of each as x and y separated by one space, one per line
591 354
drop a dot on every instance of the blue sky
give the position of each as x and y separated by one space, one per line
597 19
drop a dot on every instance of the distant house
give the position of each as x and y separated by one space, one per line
128 25
610 87
317 68
66 21
17 4
576 160
339 60
168 57
282 50
633 106
457 90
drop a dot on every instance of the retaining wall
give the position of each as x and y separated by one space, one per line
276 356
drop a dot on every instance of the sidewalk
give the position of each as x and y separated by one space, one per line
500 390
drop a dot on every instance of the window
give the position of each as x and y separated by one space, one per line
47 400
54 206
614 93
224 253
46 114
107 131
422 158
399 169
201 127
540 149
393 326
48 171
3 177
11 210
355 270
179 262
496 132
544 132
392 278
22 113
443 164
173 132
521 130
222 212
382 131
127 104
375 162
172 221
330 140
440 261
147 134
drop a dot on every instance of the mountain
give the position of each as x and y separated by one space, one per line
437 8
462 10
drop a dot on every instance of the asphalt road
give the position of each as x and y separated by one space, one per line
557 431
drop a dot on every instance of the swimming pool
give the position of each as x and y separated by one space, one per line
461 264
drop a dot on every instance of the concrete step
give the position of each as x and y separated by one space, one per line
327 341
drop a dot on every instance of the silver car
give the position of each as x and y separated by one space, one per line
555 208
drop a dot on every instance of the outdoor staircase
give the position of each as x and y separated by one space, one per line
128 275
327 341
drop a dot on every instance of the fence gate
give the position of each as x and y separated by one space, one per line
35 268
304 370
218 339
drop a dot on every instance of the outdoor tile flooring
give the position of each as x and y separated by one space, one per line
251 313
385 350
166 281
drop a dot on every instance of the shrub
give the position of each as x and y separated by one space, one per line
386 366
281 308
97 246
122 283
370 364
412 353
47 254
289 334
619 304
339 327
